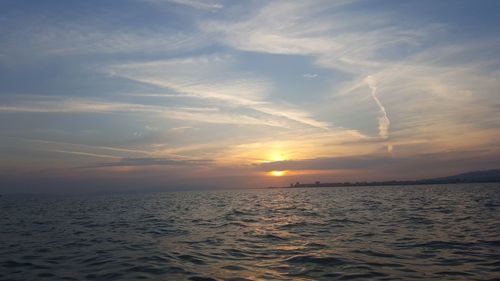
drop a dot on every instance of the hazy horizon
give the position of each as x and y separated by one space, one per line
125 96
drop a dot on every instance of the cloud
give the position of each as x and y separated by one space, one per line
200 5
79 153
423 78
278 28
94 34
357 44
212 78
148 161
202 114
204 77
346 41
77 146
347 162
182 128
383 121
310 75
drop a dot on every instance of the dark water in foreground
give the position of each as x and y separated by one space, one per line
373 233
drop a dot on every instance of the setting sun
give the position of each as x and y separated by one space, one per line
276 156
277 173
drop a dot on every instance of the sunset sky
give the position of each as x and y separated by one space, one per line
179 94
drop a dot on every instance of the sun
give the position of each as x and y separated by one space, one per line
276 157
277 173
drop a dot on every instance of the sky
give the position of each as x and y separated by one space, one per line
111 96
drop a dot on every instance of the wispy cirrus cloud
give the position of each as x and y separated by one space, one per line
383 121
310 75
412 70
206 78
149 161
304 28
202 114
90 36
343 42
195 4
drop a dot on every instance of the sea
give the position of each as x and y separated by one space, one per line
426 232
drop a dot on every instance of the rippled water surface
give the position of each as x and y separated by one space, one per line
384 233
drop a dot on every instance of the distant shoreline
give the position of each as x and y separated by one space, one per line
391 183
489 176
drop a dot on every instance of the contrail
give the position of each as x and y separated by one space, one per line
383 121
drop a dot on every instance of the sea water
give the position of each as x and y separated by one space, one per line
434 232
